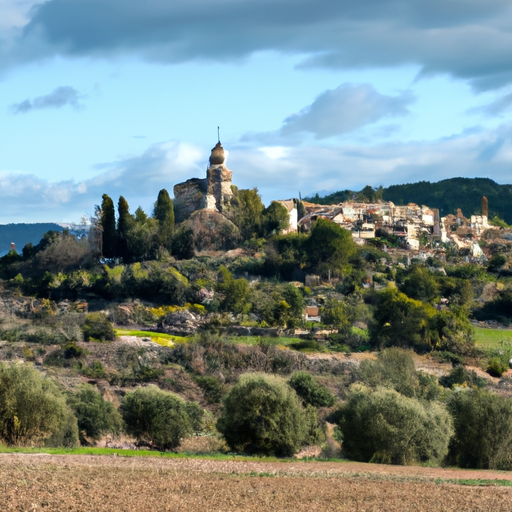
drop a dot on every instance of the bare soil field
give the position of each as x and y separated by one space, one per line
30 482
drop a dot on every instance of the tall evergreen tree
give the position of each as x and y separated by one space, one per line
164 213
124 224
108 225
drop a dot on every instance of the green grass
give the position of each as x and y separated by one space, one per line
492 338
479 483
166 340
256 340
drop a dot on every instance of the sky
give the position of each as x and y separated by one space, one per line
124 97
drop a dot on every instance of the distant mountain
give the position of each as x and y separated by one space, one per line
22 234
446 195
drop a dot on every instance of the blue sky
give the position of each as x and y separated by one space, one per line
124 97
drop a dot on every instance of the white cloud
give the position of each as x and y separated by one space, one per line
345 109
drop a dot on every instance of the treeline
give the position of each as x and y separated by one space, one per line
446 195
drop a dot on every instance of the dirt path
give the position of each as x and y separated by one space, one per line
108 483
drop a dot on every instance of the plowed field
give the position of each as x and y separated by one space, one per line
118 484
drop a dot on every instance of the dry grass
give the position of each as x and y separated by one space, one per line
79 483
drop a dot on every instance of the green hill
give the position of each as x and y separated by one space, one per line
446 195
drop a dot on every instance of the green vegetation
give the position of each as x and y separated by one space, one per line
31 407
263 415
94 415
483 430
158 418
385 426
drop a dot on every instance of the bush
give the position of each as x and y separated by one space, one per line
311 391
213 390
483 430
496 367
384 426
394 369
460 375
97 326
95 416
262 414
156 417
31 407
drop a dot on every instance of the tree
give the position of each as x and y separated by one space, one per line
183 245
156 417
262 414
335 314
164 213
310 390
246 212
275 218
329 246
31 406
403 322
485 206
385 426
108 227
95 416
483 430
234 291
124 224
395 369
420 284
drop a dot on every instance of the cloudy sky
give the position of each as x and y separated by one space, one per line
124 97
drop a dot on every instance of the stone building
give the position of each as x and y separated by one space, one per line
211 193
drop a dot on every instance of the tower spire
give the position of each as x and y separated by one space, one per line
218 133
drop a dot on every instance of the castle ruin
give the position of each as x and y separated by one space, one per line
211 193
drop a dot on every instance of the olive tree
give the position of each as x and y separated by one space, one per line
483 429
32 408
385 426
262 414
158 418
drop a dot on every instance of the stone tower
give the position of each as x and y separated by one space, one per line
210 193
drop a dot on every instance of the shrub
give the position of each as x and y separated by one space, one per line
31 407
384 426
95 415
262 414
483 430
460 375
72 351
156 417
496 367
393 369
97 326
311 391
213 390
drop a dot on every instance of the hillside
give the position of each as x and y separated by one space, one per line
446 195
22 234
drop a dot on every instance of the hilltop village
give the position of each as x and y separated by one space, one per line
418 229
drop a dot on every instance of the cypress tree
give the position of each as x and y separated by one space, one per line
485 206
124 223
164 213
108 224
